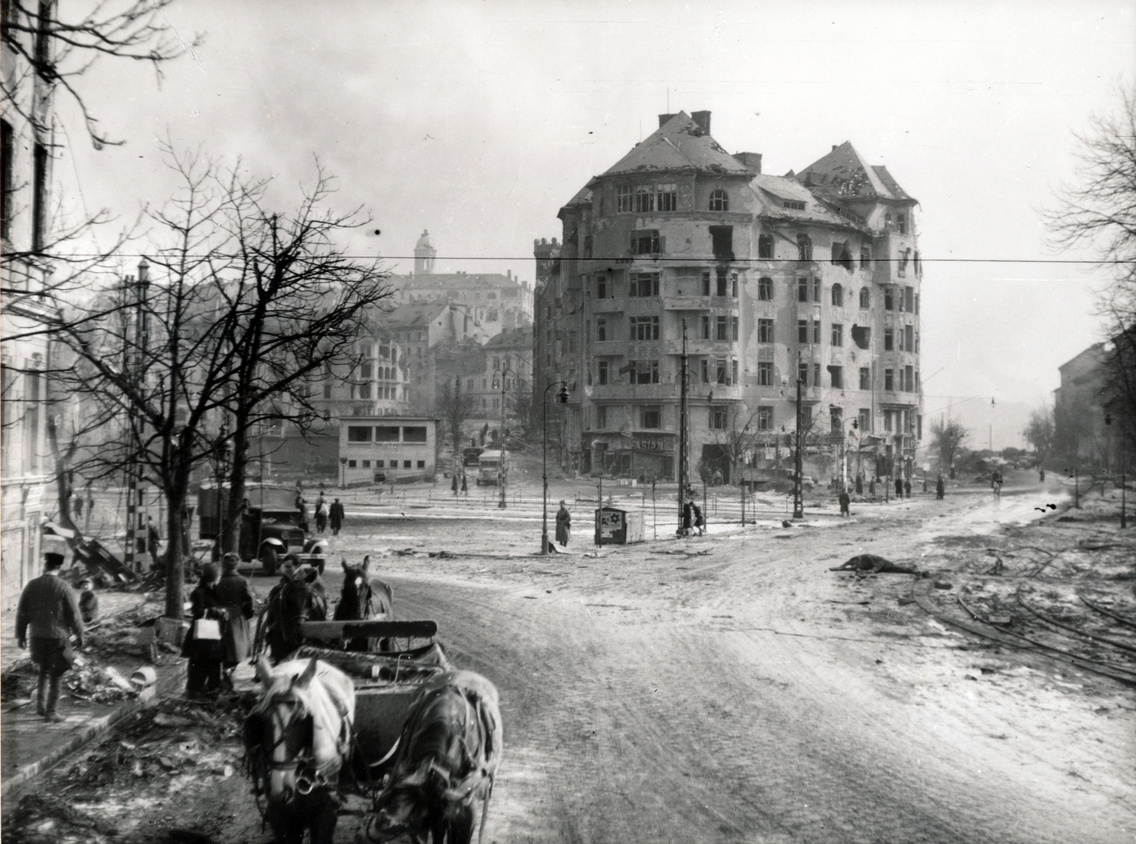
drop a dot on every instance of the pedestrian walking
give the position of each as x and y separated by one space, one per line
872 487
845 501
454 484
563 523
88 601
203 643
302 508
907 487
239 602
940 489
699 522
465 486
860 484
335 516
322 512
898 486
46 618
77 505
687 518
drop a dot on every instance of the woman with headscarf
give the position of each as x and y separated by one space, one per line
236 597
203 641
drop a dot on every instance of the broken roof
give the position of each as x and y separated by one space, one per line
679 144
773 192
843 174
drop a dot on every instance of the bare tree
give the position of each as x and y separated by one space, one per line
947 438
1039 432
60 50
246 307
455 408
1099 211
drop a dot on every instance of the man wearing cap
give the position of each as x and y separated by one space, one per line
48 607
239 602
563 523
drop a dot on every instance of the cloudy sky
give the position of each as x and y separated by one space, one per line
478 120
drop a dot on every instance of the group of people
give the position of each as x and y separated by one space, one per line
326 515
459 483
223 605
692 518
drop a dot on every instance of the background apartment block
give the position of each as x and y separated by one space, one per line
811 277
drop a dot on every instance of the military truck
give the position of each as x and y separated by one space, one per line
270 525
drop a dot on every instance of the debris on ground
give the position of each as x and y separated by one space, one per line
873 564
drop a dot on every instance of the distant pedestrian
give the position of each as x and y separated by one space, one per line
77 506
898 486
153 542
1041 475
335 517
454 484
940 488
46 618
844 502
860 484
465 486
907 488
88 601
687 518
204 641
239 602
322 512
563 523
302 509
699 522
872 487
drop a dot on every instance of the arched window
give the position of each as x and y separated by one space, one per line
837 296
719 201
865 298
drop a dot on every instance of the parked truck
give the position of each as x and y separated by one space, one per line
270 525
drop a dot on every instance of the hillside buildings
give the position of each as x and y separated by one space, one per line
765 283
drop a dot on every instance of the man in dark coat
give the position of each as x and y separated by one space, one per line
898 486
335 517
845 501
206 654
237 599
940 489
563 523
46 617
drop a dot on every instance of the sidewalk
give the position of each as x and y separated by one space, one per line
29 746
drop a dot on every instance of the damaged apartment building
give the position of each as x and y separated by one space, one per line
768 283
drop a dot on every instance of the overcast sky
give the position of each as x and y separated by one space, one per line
479 120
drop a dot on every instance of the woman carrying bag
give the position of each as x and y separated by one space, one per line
203 642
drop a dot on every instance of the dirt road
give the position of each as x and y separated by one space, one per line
715 689
731 688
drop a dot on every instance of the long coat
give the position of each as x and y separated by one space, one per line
563 525
236 596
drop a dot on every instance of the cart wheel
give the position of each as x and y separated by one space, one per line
268 560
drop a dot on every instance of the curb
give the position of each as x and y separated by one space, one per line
96 728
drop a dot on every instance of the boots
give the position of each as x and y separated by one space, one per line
41 694
53 683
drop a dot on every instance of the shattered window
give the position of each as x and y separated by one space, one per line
719 200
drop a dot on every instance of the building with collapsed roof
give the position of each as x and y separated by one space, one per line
763 284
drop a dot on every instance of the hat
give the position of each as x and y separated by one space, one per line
51 560
230 561
209 573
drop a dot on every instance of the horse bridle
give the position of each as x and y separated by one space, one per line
309 777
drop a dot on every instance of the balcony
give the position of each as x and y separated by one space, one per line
663 393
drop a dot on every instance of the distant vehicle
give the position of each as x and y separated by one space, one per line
270 525
470 455
488 465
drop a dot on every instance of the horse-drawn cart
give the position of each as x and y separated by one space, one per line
329 708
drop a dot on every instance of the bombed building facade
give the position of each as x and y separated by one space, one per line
762 284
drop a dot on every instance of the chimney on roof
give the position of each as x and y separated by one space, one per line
663 118
702 118
834 146
751 160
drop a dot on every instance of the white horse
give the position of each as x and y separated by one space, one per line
297 738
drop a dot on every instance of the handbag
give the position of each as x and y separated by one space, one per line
207 629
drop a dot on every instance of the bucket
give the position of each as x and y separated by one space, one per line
144 677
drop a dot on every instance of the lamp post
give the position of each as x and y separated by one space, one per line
562 395
343 464
501 374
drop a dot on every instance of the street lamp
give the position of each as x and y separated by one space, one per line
500 375
562 395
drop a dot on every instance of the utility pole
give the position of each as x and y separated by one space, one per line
798 492
682 433
136 364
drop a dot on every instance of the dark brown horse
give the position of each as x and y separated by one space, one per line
447 760
297 739
363 598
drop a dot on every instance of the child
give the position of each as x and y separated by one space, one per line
88 601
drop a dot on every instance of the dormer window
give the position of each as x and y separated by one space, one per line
793 205
719 200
